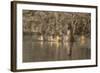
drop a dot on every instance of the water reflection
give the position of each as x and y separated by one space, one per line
68 46
34 51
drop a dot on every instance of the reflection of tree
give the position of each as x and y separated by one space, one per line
56 23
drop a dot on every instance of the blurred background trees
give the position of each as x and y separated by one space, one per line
56 23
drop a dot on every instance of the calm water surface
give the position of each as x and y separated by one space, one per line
36 51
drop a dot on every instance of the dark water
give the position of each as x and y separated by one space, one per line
35 51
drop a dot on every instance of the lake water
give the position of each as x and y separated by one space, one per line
36 51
